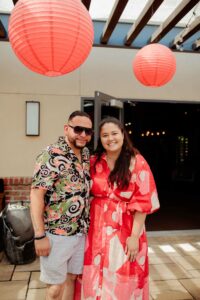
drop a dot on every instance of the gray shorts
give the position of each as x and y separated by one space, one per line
66 256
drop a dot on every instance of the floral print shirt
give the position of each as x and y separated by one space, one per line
67 182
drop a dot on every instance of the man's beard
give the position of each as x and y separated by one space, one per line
74 143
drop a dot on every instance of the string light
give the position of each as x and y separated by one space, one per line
179 44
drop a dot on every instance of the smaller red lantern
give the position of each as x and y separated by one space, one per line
154 65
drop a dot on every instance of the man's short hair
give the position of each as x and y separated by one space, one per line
78 113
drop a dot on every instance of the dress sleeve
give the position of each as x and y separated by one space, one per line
45 173
145 197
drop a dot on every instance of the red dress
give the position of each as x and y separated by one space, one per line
108 275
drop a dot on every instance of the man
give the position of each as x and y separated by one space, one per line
60 207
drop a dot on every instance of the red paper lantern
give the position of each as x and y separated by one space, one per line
154 65
51 37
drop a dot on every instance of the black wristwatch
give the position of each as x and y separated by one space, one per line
40 237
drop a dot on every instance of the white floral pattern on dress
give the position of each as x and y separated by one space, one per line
115 276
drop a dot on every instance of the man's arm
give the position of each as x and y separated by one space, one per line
42 246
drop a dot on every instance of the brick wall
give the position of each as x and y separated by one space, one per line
17 188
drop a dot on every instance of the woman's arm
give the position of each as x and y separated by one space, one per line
132 242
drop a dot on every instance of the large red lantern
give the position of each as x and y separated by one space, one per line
154 65
51 37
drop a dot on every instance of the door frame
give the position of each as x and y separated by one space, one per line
101 99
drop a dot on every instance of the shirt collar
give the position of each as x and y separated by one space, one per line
63 145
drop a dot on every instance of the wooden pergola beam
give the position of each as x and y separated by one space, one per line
146 14
3 33
182 9
111 23
186 33
87 3
196 45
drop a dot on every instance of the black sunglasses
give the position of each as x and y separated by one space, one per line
80 129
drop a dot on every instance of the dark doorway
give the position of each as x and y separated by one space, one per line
168 135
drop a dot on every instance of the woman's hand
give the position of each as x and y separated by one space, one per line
132 247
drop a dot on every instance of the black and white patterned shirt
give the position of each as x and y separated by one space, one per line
67 182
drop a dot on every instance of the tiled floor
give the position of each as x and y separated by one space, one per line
174 270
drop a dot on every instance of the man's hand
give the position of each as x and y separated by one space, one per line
43 247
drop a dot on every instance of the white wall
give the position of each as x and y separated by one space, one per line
107 70
110 70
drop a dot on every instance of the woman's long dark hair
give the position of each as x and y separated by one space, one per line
121 173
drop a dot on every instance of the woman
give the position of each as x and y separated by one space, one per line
124 191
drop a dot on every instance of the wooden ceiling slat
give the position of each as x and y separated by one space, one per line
150 8
186 33
111 23
196 45
3 33
146 14
87 3
182 9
